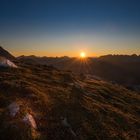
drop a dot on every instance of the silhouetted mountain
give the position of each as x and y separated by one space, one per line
120 58
44 103
123 69
6 54
43 60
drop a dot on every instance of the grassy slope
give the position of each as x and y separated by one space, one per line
95 109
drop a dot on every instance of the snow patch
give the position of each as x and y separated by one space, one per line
29 119
13 109
6 63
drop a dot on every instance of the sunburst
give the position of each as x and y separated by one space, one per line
82 55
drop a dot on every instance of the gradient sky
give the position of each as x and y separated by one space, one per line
66 27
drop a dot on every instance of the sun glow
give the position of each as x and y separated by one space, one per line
82 54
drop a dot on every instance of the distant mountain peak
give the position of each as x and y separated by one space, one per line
6 54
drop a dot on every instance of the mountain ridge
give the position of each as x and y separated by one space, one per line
123 69
39 102
6 54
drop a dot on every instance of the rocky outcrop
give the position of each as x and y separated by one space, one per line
13 109
6 54
6 63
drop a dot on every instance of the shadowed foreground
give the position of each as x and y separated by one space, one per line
40 102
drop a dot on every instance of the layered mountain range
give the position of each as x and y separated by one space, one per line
43 102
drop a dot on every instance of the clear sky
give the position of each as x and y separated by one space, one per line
66 27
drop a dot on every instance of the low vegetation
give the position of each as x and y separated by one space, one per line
61 105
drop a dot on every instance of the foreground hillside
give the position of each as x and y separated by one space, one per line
41 102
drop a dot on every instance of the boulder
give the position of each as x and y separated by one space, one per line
29 119
13 109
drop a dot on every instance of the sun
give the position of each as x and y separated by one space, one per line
83 55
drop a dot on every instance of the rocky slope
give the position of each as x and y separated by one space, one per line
6 54
41 102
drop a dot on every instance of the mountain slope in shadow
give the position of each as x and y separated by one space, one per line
4 53
42 102
123 69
